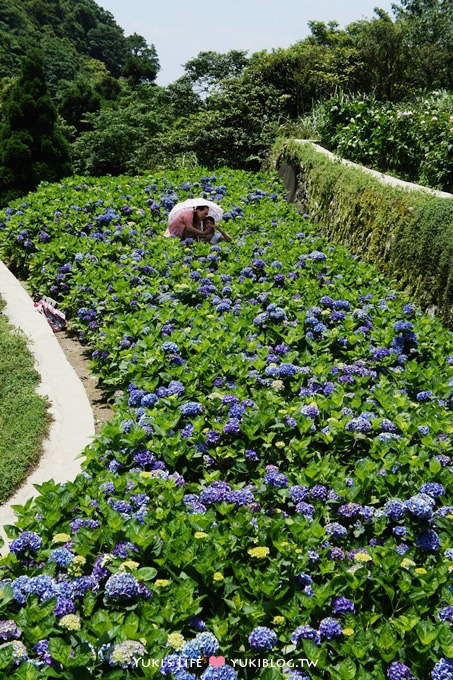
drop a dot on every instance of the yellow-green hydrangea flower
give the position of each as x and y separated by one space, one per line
75 568
200 534
406 563
260 551
176 640
161 582
129 564
70 622
362 557
218 576
61 538
278 620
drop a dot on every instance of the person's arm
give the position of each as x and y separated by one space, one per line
225 237
190 228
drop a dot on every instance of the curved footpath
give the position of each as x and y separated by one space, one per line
72 427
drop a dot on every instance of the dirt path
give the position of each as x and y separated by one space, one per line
79 357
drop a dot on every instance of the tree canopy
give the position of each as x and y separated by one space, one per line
32 146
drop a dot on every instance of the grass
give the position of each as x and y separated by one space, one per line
24 417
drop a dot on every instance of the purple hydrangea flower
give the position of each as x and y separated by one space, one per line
341 605
330 628
9 630
319 493
306 633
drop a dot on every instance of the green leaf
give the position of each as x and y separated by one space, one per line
145 573
59 650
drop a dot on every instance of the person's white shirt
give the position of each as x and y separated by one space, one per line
215 238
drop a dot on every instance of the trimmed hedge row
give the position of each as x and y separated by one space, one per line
407 233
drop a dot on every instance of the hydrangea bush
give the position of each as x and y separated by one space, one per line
275 481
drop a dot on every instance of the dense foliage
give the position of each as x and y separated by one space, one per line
412 140
32 147
23 413
274 484
229 108
76 38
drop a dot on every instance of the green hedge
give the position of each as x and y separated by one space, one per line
407 233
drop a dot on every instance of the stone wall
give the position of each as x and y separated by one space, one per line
406 230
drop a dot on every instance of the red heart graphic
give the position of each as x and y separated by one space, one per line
216 661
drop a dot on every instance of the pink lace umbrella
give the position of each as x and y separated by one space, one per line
214 210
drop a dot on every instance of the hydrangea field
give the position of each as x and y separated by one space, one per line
274 486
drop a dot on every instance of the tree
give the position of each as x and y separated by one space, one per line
385 60
142 64
119 132
77 99
32 148
429 24
208 69
107 43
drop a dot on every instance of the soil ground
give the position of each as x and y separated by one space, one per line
79 358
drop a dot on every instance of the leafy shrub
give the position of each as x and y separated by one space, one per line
411 140
275 480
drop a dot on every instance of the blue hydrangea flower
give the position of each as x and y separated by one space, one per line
277 479
122 586
61 556
359 425
424 395
433 489
305 509
262 639
28 540
336 530
191 408
170 347
204 644
298 493
446 614
399 671
428 541
443 670
395 509
310 411
420 505
224 672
